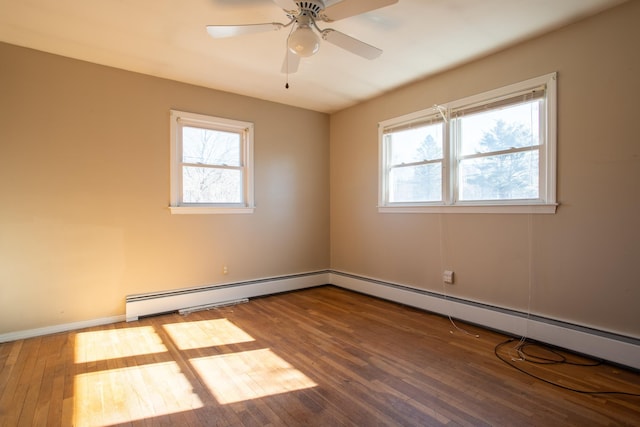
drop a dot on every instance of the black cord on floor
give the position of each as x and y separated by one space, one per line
539 360
547 361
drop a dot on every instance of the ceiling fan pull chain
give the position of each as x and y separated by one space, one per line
291 60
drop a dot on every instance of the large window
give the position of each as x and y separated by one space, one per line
493 152
211 164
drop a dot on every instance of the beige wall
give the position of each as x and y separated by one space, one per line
583 262
84 190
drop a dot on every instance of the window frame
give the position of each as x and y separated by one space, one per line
180 119
546 202
407 122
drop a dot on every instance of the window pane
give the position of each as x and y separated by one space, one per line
411 184
211 185
416 145
210 147
503 177
500 129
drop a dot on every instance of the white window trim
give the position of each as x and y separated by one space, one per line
177 118
449 204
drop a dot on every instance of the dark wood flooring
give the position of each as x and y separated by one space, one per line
317 357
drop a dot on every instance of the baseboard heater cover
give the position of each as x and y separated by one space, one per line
616 348
148 304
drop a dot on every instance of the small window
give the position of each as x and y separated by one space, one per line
493 152
211 164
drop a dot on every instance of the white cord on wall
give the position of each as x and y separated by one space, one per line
443 254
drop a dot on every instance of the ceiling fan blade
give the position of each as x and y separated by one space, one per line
352 45
286 4
290 63
222 31
347 8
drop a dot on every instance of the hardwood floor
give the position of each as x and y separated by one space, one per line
319 357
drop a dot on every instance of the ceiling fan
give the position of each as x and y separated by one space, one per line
303 39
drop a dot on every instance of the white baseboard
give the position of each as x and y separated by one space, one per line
65 327
604 345
162 302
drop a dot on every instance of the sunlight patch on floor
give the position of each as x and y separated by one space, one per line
248 375
134 393
206 333
116 343
130 384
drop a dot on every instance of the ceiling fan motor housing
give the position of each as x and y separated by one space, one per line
311 7
303 38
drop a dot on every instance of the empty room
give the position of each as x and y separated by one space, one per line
327 213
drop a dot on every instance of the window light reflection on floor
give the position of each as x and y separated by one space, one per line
248 375
119 383
116 343
206 333
133 393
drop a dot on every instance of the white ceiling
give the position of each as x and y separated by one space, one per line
167 38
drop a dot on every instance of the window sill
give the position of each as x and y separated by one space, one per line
210 210
472 209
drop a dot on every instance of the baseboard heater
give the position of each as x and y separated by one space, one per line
148 304
610 346
606 345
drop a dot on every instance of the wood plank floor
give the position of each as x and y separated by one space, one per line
317 357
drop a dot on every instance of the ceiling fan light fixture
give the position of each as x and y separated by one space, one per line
304 36
304 41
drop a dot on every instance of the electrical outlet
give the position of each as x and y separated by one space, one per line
447 277
225 270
